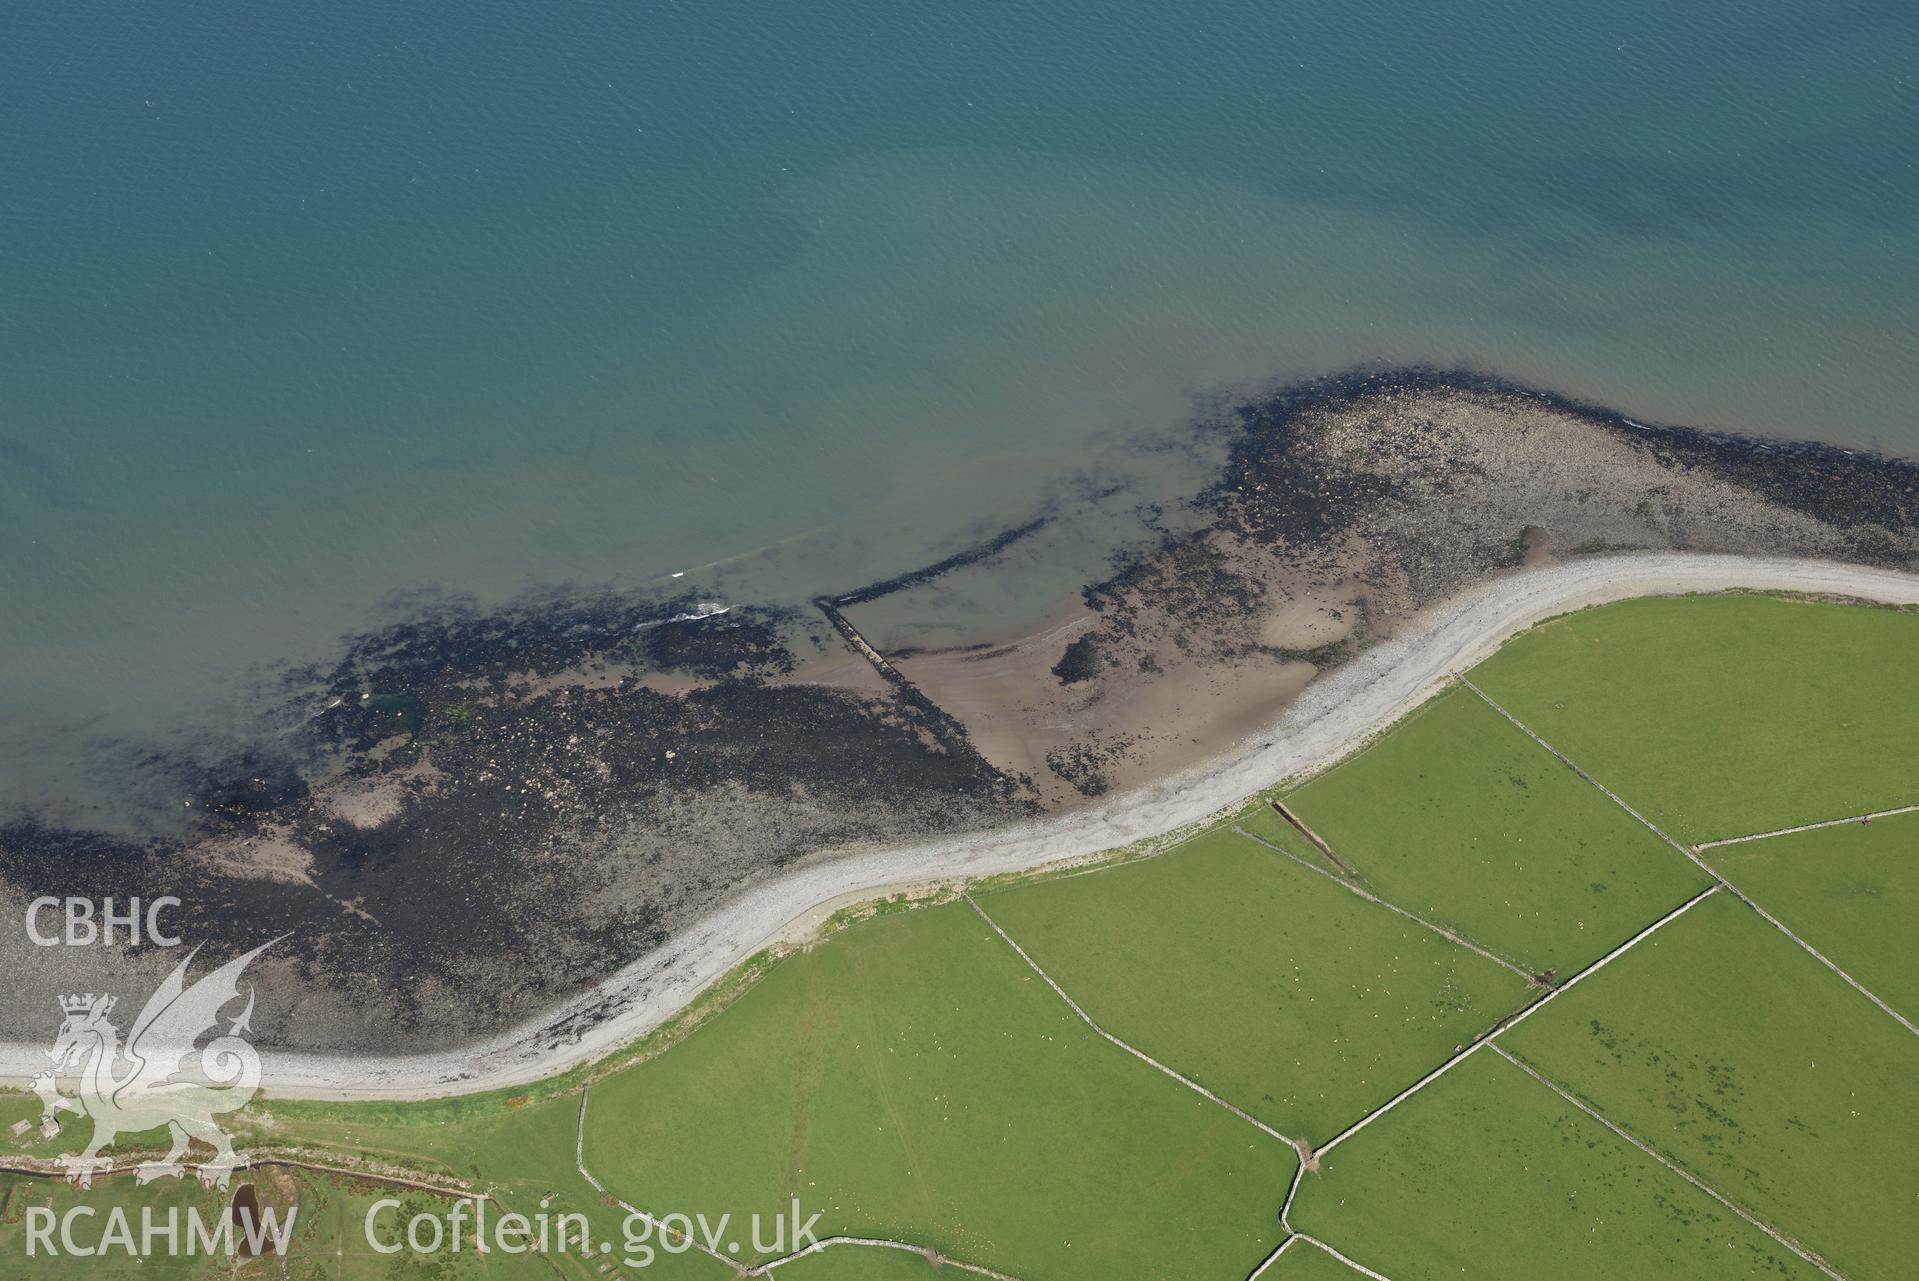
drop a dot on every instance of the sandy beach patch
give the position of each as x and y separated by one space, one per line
1332 718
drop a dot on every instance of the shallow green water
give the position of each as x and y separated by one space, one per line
304 313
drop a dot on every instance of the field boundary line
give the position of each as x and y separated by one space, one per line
1285 1243
454 1192
1294 1239
766 1268
1319 842
1451 936
932 1256
1354 1264
1806 827
1513 1020
1803 1252
579 1161
1292 1190
1137 1053
1692 854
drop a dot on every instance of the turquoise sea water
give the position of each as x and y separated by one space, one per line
306 311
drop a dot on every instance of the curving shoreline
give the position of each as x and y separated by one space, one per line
1334 715
485 811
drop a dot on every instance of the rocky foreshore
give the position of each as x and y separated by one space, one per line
481 814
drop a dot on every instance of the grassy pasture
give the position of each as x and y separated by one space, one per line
18 1193
1265 823
914 1079
1488 1174
519 1147
1721 1043
492 1140
1852 892
1307 1262
1720 716
856 1263
329 1242
1286 994
1459 817
332 1242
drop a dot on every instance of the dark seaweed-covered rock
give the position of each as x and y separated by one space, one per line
475 812
509 810
1081 662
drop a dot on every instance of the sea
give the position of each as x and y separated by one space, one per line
311 315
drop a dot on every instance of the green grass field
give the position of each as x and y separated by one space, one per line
1723 1044
1852 892
911 1078
1461 818
1305 1262
1719 716
1488 1174
1263 822
18 1195
915 1080
328 1241
518 1147
859 1263
1271 985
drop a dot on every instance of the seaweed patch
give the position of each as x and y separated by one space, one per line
509 804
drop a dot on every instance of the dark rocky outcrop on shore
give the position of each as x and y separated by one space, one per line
477 813
1374 494
515 804
1452 465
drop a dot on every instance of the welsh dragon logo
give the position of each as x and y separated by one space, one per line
162 1076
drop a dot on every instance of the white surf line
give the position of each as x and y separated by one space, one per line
1808 1255
1514 1020
1806 827
1704 866
1449 935
1139 1054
